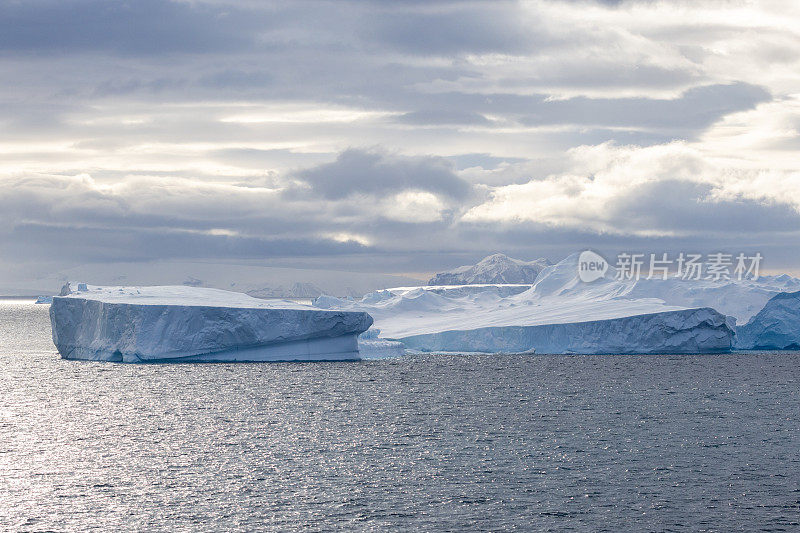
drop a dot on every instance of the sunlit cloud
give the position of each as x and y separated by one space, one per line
370 124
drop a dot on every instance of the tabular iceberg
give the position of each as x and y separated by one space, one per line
559 313
189 324
673 332
775 327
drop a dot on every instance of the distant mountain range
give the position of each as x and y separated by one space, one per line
496 268
253 279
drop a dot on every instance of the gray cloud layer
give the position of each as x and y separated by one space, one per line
265 130
376 174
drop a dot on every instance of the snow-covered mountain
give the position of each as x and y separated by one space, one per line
496 268
295 290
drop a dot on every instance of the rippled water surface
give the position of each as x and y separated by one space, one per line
418 443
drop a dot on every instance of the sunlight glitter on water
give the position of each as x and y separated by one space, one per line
428 442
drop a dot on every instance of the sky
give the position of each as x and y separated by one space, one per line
396 136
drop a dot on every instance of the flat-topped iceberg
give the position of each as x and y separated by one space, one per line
190 324
559 313
672 332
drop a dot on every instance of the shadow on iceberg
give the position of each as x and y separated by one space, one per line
189 324
673 332
775 327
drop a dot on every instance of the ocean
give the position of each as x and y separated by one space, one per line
427 443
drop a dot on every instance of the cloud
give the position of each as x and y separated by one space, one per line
139 217
238 129
694 110
412 207
441 117
110 244
665 190
143 27
75 218
378 173
453 29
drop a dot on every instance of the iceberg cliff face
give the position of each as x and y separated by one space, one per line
775 327
172 324
380 348
673 332
370 346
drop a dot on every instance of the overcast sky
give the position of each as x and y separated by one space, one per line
397 136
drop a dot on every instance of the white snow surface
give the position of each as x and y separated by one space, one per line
180 295
559 297
176 323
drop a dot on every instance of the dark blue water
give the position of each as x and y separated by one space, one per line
431 443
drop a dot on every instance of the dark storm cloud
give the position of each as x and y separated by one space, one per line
377 173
